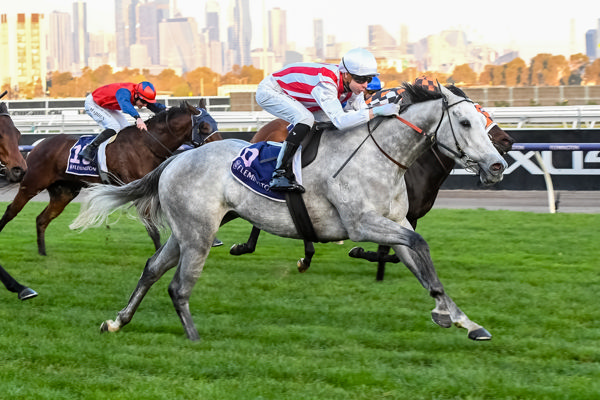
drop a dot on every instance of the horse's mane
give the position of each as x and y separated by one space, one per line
183 108
457 91
417 94
3 108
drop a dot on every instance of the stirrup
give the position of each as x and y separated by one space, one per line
88 154
283 184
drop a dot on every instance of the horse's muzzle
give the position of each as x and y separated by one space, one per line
15 174
492 172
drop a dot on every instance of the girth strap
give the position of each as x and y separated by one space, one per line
300 216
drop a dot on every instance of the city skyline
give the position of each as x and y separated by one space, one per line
517 25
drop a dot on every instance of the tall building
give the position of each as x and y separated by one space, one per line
23 52
124 27
380 39
277 33
81 47
60 53
147 31
212 21
180 46
591 43
319 39
241 33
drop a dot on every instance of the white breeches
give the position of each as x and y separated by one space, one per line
273 99
108 119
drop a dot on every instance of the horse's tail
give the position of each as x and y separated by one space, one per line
102 200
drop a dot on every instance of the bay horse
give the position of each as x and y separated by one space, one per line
423 180
354 190
13 167
130 156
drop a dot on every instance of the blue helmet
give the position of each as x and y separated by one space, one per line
375 84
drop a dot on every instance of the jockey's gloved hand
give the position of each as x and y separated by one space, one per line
386 109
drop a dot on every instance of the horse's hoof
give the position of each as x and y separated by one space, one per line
356 252
442 319
303 265
217 243
107 326
480 334
27 293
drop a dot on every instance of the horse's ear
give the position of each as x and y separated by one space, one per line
202 103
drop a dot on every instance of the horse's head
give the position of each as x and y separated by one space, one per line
13 164
461 134
203 126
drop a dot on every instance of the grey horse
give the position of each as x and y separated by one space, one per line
354 190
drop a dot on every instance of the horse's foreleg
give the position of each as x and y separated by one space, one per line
249 246
60 197
414 253
186 276
23 196
13 286
164 259
446 312
309 252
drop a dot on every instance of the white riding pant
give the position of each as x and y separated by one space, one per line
274 100
108 119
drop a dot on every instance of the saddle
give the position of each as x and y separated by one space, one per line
255 164
97 168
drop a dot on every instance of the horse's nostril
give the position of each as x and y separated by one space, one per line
497 167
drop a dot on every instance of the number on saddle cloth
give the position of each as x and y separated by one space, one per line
254 166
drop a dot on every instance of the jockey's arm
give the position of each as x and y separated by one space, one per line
325 94
123 97
156 107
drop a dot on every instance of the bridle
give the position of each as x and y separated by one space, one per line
195 123
432 137
459 153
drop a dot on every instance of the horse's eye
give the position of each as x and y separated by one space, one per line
466 123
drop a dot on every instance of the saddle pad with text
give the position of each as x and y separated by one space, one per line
254 166
77 165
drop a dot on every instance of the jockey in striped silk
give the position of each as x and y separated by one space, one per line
303 93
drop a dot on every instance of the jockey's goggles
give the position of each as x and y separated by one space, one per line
361 79
136 98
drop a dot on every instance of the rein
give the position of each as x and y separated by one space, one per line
459 153
158 140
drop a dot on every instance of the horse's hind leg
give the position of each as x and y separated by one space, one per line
154 234
60 196
446 312
164 259
249 246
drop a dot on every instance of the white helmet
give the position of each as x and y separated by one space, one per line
359 62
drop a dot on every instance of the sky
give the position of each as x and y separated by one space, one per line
529 26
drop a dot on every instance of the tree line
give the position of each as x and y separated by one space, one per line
543 70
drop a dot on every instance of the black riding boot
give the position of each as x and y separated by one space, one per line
89 152
283 179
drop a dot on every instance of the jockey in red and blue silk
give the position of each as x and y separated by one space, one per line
107 104
303 93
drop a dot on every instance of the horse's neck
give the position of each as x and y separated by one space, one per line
401 141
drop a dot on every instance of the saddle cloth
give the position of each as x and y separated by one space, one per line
254 166
78 166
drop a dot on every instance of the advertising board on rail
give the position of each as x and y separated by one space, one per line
569 169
